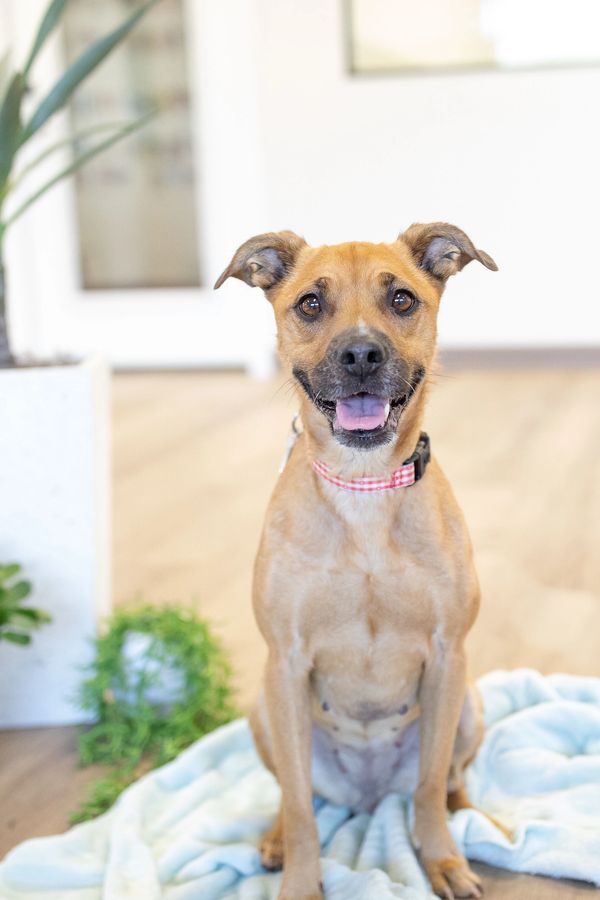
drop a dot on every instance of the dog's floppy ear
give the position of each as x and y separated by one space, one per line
264 260
442 249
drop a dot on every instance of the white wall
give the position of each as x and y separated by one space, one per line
513 158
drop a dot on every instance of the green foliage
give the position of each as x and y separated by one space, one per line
101 795
10 125
79 70
4 73
135 727
50 20
78 163
17 621
14 134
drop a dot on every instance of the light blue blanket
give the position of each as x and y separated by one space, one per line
190 830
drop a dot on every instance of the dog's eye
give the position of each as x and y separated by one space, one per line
309 306
403 302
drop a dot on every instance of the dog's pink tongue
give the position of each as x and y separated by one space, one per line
364 411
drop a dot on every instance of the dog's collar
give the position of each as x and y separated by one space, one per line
411 471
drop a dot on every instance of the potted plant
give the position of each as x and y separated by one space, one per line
54 456
17 621
159 680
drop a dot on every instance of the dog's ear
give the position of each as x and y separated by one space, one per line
442 249
264 260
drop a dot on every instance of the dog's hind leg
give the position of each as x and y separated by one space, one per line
466 744
459 799
468 738
271 845
260 732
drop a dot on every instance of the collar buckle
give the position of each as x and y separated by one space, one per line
421 456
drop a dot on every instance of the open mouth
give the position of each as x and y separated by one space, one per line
363 419
361 412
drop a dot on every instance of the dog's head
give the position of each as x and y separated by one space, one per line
357 322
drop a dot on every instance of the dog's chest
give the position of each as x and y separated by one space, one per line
368 645
373 588
372 610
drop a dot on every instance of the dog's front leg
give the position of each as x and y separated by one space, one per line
441 696
288 709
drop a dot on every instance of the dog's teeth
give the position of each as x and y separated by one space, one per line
387 410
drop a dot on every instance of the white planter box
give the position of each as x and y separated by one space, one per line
55 522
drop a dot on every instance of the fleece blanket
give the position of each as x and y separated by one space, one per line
190 830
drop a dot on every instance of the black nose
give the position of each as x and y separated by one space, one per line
362 358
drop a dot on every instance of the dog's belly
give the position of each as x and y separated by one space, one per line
360 774
355 707
365 714
364 685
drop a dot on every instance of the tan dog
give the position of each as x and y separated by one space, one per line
364 597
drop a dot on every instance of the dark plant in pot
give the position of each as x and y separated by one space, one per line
16 620
18 129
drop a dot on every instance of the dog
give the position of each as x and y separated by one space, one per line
364 584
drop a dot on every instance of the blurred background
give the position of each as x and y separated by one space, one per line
337 120
340 121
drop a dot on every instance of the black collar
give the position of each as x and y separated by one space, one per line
421 456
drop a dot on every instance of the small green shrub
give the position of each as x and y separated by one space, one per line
159 681
17 621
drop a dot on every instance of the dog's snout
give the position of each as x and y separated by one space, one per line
362 358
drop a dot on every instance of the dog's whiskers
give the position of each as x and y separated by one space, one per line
286 386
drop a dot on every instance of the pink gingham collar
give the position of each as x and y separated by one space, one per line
408 473
411 470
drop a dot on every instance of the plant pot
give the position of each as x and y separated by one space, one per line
55 522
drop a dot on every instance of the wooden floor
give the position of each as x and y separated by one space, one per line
195 458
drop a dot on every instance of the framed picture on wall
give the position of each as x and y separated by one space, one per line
401 36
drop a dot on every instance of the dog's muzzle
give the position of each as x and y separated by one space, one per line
361 387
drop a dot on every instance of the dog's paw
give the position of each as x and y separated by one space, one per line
288 892
286 895
452 878
271 850
506 831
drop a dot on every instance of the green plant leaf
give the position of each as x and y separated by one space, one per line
33 617
9 571
10 126
47 26
16 622
4 72
15 637
16 592
76 164
79 70
59 145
